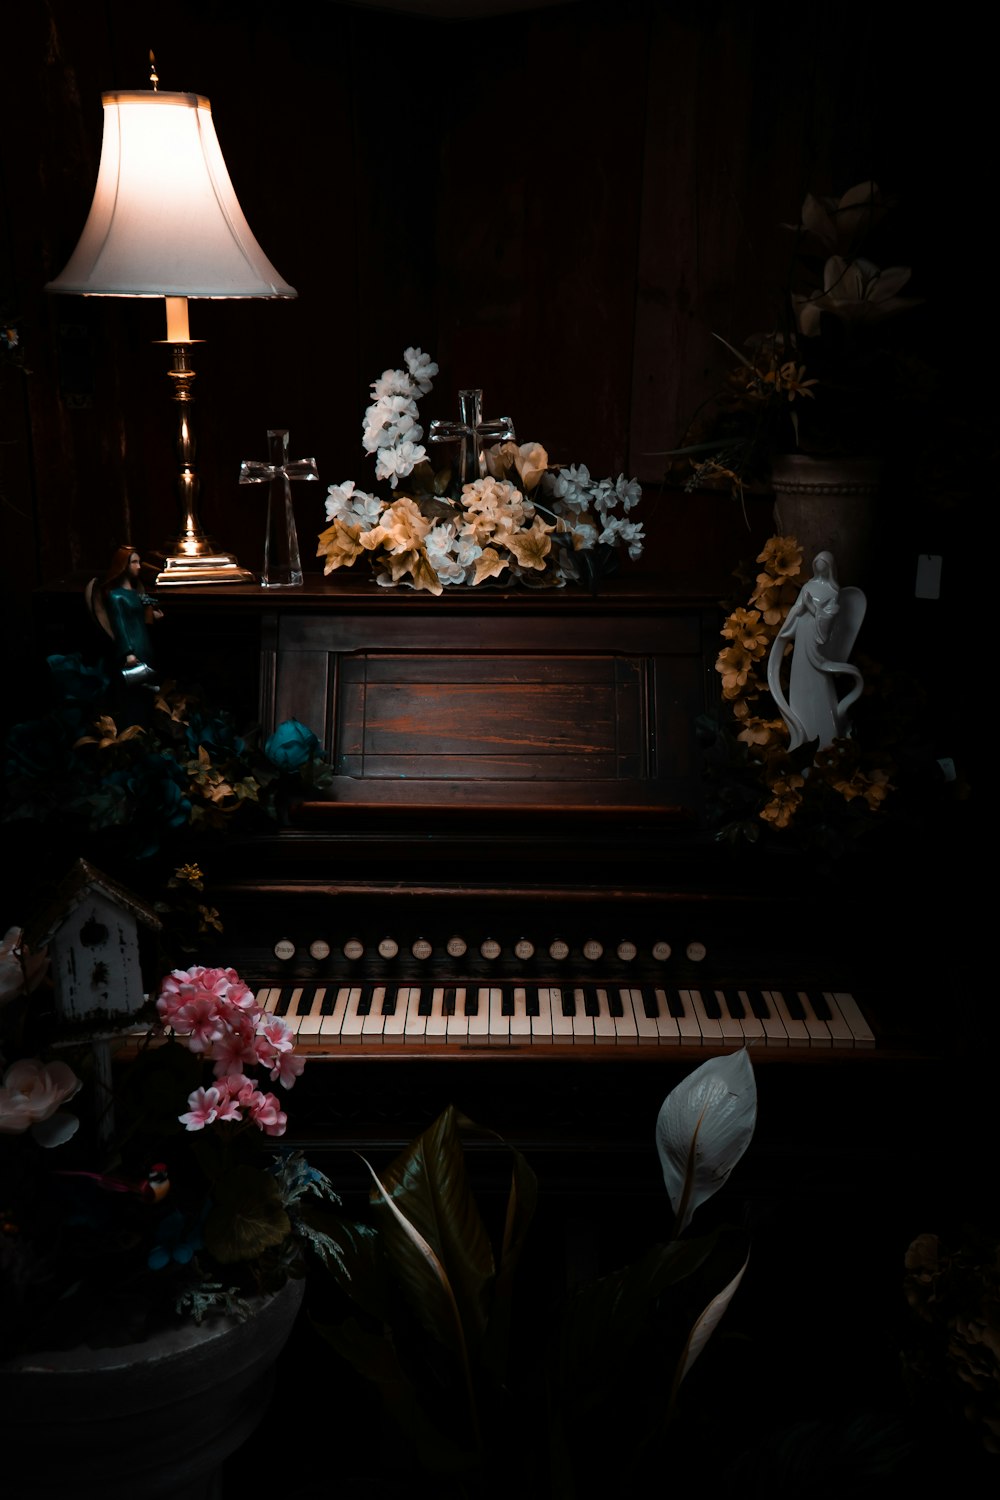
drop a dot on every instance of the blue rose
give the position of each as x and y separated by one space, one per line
292 746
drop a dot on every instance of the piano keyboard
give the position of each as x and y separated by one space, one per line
328 1018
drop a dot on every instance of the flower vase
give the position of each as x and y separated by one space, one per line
154 1419
828 505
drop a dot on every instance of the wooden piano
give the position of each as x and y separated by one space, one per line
507 901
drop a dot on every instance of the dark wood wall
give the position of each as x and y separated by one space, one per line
560 204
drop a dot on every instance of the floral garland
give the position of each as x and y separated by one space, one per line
785 781
492 527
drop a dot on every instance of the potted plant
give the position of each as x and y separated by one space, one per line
814 407
149 1274
433 1312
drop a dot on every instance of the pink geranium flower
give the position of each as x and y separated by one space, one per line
287 1067
203 1108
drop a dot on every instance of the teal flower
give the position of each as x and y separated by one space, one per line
292 746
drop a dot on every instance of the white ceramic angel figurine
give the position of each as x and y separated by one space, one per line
823 625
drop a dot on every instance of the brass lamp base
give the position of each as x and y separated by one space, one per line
181 572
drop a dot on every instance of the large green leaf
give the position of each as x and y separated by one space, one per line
428 1203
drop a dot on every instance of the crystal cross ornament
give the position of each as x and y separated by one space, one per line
473 433
282 567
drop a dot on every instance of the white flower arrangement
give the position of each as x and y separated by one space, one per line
521 519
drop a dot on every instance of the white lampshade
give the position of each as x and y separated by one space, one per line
165 221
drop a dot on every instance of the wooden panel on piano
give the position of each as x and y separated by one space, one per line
513 704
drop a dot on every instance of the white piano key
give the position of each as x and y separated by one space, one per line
415 1029
291 1017
667 1027
330 1025
520 1021
583 1025
604 1022
541 1025
851 1011
796 1031
752 1026
310 1022
711 1029
373 1024
819 1031
688 1025
479 1020
393 1021
562 1025
645 1026
437 1022
841 1034
732 1027
499 1023
626 1029
458 1021
353 1022
268 1000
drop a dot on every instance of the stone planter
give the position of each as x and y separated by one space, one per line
155 1419
829 504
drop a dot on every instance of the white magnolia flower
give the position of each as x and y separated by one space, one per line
628 491
392 383
396 462
421 368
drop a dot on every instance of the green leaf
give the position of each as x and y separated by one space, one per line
427 1186
247 1216
706 1324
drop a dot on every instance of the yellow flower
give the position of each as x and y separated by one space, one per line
786 795
189 875
735 664
746 627
782 557
403 526
789 378
774 598
763 732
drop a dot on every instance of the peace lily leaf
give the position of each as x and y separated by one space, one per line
429 1186
603 1321
707 1324
703 1128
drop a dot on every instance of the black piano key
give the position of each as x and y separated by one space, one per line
796 1009
675 1004
759 1005
365 1002
328 1002
615 1004
531 1005
284 1001
821 1009
568 1003
591 1004
425 1004
650 1004
734 1005
710 1001
471 1001
506 1000
389 1000
448 1003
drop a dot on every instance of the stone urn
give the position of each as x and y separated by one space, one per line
154 1419
829 505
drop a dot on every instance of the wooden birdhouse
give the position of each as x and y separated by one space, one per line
91 930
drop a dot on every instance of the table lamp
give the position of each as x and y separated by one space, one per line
166 222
